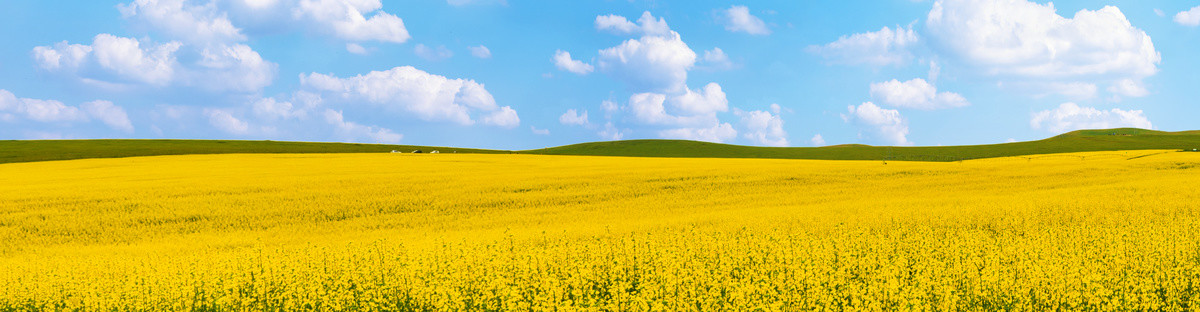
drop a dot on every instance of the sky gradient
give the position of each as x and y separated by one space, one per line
531 74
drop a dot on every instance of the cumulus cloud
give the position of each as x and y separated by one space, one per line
51 111
719 133
563 61
430 97
717 59
650 63
738 19
1189 17
347 19
647 25
179 19
354 132
537 131
480 51
225 121
763 128
119 60
1022 38
1129 88
710 99
356 49
610 132
505 117
888 123
571 117
432 54
817 140
270 108
110 114
915 93
1070 116
884 47
232 67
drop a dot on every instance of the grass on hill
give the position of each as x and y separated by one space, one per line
1076 141
43 150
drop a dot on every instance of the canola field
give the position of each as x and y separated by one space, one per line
1105 231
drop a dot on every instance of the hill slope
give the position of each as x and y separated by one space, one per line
1077 141
42 150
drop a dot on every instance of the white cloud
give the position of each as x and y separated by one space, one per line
271 108
738 19
915 93
609 106
763 128
1022 38
709 100
177 19
1010 140
571 117
118 61
1069 117
719 133
37 110
224 121
61 55
648 108
347 20
611 132
651 63
563 61
154 65
817 140
431 97
1189 17
356 49
480 51
355 132
50 111
1129 88
879 48
112 115
505 117
1160 13
717 59
647 25
537 131
232 67
890 125
433 54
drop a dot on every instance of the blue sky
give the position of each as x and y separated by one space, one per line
522 74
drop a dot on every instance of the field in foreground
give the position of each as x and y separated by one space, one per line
1089 231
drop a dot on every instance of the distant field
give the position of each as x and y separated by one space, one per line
1097 231
1078 141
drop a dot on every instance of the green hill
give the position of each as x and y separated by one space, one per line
1077 141
42 150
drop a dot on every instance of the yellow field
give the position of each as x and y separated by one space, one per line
1094 231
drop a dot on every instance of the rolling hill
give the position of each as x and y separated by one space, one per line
1076 141
43 150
